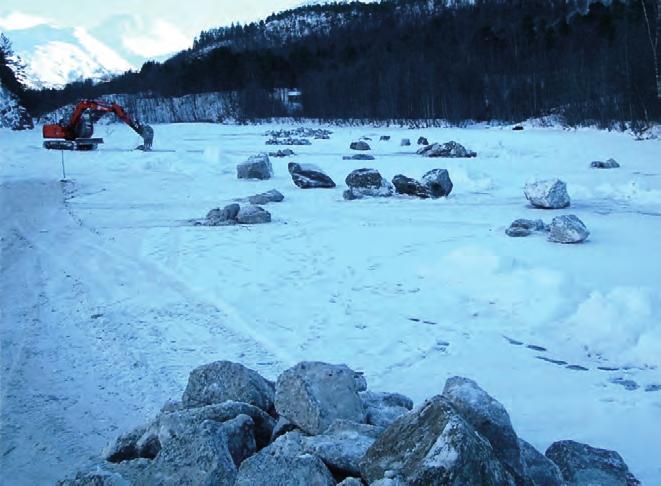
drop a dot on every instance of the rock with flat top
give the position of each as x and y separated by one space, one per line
256 167
547 194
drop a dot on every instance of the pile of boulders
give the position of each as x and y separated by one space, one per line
305 132
449 149
288 141
435 183
282 153
319 425
358 157
608 164
237 214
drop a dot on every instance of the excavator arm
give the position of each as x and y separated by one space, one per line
75 129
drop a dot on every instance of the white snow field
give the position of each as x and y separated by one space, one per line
110 297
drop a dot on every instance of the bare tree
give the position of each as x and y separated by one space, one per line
654 41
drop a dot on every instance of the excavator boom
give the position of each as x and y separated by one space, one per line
77 132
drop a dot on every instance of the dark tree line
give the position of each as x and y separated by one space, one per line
415 59
9 67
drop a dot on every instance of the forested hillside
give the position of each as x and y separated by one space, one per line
482 60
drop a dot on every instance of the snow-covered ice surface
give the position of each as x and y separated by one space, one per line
109 297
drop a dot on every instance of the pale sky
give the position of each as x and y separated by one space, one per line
188 17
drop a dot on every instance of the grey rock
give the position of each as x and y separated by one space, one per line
343 445
223 217
540 470
256 167
568 229
284 463
266 197
448 149
313 395
384 138
367 183
382 408
282 427
108 474
125 447
609 164
351 482
200 457
405 142
547 194
172 406
489 418
251 214
358 157
583 465
409 186
433 445
360 145
437 183
525 227
309 176
288 141
220 381
423 141
282 153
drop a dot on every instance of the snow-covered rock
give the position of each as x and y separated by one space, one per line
256 167
308 176
437 183
568 229
284 463
488 416
448 149
547 194
313 395
539 468
360 145
433 444
367 182
581 464
382 408
12 114
225 380
266 197
608 164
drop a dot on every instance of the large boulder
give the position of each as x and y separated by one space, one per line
423 141
266 197
360 145
343 445
223 217
448 149
308 176
382 408
256 167
220 381
367 183
489 418
409 186
540 470
583 465
251 214
433 445
312 395
525 227
210 454
608 164
568 229
284 463
547 194
437 183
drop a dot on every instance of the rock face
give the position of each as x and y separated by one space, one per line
609 164
525 227
405 142
448 149
489 418
540 469
309 176
256 167
568 229
360 145
312 395
284 463
581 464
409 186
423 141
224 380
433 445
437 183
548 194
367 182
236 214
382 409
267 197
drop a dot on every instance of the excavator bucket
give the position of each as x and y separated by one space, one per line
147 134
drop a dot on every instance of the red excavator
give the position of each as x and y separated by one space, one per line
76 134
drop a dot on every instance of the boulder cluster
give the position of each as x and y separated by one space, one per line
238 214
319 425
449 149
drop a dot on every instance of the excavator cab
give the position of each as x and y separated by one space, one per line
76 134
